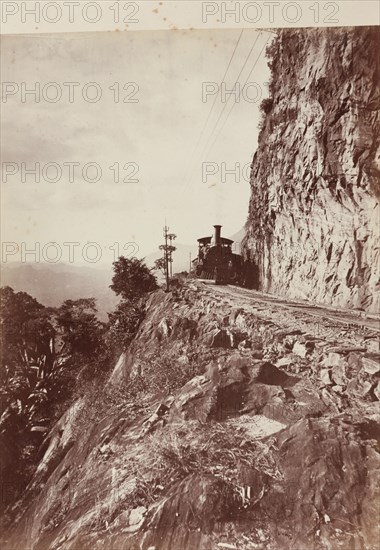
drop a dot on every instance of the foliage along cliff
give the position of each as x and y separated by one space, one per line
313 224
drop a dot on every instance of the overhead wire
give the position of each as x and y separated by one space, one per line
225 105
233 104
214 102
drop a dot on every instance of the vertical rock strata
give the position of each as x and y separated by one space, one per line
313 224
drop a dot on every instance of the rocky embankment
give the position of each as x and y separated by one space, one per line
313 225
257 428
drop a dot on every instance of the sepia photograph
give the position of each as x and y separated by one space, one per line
190 275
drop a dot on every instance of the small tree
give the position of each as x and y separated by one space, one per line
79 327
132 278
132 281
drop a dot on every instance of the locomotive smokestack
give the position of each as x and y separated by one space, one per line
217 234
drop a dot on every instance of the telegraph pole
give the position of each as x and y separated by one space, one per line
171 249
168 249
166 257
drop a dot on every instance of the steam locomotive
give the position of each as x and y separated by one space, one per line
216 261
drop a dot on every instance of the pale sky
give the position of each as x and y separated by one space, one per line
159 134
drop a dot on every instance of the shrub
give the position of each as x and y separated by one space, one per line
266 105
132 278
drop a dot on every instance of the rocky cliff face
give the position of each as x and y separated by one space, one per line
252 424
313 225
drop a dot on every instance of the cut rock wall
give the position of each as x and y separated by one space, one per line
313 224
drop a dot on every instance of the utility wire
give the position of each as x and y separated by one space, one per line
226 103
214 102
233 104
224 76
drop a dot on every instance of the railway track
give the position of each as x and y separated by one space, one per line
328 313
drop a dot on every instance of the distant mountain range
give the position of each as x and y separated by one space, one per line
52 284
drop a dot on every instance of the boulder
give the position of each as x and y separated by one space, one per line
137 515
366 389
338 374
300 349
222 338
334 359
373 345
303 349
371 366
376 391
285 361
325 377
354 361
